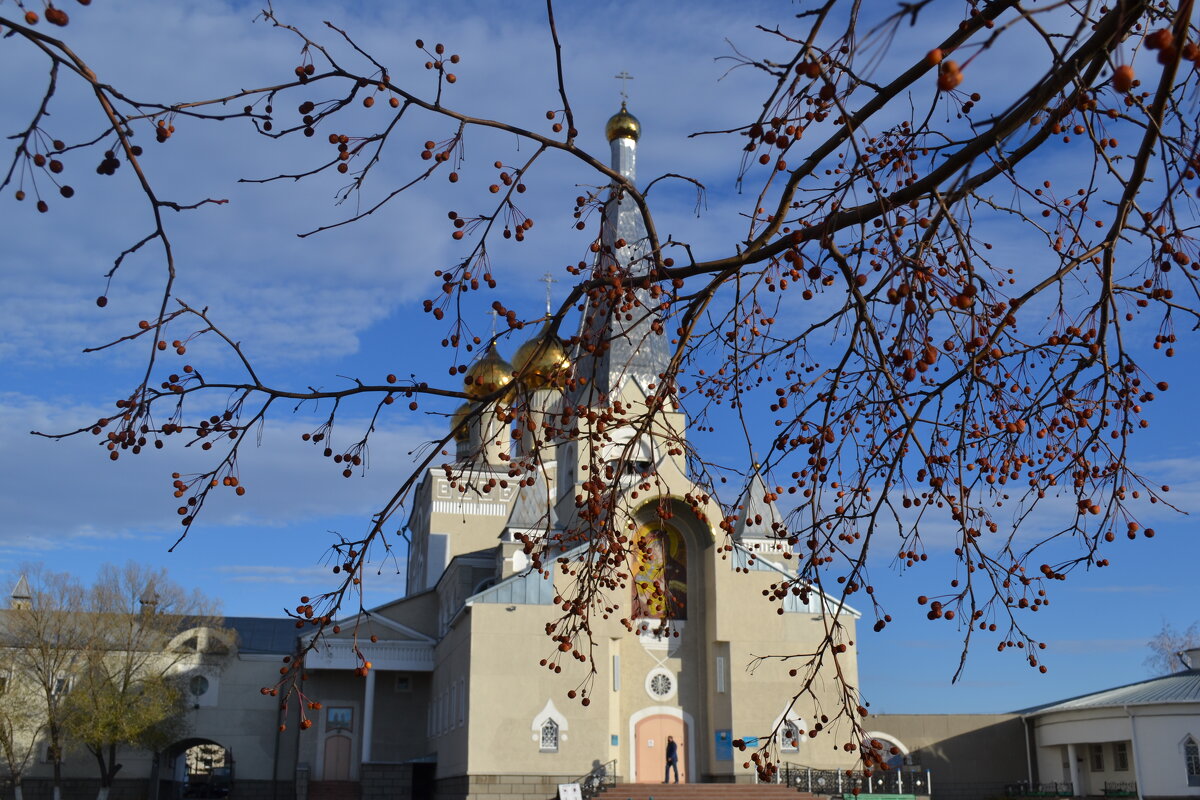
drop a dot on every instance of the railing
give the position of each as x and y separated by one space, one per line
898 780
1052 789
601 777
1120 789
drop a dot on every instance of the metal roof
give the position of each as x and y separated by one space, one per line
264 634
1179 687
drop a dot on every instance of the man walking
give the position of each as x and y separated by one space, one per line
672 760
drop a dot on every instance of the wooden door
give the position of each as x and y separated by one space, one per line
337 758
651 742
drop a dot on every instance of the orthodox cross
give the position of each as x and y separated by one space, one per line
623 77
495 316
548 279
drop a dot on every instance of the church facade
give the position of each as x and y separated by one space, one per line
457 673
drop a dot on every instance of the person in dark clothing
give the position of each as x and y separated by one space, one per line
672 760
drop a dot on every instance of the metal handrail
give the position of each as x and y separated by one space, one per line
599 778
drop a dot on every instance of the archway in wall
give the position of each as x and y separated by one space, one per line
660 580
196 769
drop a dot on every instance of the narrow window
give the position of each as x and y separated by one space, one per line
549 737
720 670
1191 758
1096 757
3 683
1121 756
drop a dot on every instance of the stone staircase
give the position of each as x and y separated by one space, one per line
703 791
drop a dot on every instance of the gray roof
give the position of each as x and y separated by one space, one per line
21 590
264 634
534 508
756 517
1179 687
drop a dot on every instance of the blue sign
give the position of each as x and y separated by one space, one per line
724 745
615 740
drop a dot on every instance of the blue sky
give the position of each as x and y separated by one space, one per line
347 303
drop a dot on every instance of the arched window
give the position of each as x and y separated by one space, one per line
1191 759
789 737
660 577
549 742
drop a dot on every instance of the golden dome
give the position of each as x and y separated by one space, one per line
460 435
488 374
623 125
542 361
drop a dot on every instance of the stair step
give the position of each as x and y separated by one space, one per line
703 791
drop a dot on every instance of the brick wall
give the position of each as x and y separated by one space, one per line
501 787
386 781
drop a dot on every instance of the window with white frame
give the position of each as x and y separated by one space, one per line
1096 757
549 742
1191 760
1121 756
62 685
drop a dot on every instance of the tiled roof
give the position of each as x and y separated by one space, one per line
1179 687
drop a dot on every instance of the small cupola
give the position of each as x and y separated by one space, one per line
488 374
542 362
623 125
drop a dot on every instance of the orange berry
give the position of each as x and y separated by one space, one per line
1122 79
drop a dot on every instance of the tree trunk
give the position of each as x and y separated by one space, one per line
103 793
18 793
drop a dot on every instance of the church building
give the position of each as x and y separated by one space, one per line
455 691
455 680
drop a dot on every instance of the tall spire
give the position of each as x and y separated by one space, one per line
628 346
22 596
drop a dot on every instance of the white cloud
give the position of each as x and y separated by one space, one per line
68 494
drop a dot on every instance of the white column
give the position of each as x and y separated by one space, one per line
368 721
1073 765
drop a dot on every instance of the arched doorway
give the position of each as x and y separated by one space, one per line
196 769
650 745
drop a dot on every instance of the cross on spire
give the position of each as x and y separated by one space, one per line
623 77
548 279
495 317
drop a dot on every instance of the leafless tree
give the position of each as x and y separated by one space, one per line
911 377
1167 647
46 637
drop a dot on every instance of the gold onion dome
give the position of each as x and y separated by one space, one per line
488 374
623 125
463 433
542 361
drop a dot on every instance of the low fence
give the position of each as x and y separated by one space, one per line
902 780
1048 789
